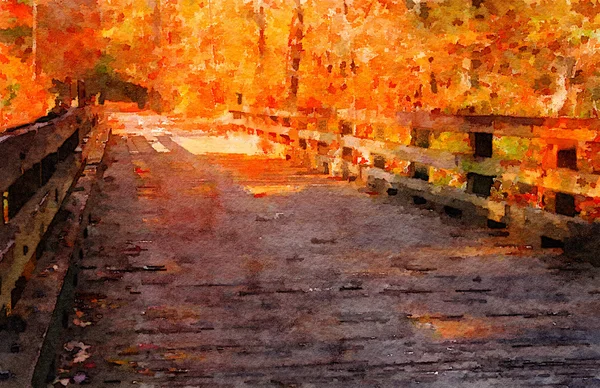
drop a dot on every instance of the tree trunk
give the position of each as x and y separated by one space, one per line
295 44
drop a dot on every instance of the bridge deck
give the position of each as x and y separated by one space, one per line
197 273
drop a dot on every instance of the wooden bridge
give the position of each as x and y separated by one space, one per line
298 249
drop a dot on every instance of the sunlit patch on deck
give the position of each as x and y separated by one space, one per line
263 191
231 144
459 327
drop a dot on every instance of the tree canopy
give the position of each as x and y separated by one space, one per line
201 57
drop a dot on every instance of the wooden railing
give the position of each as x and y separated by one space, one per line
29 154
513 168
38 163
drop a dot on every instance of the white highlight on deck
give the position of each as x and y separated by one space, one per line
155 143
159 147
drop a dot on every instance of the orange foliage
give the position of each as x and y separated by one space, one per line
22 99
517 57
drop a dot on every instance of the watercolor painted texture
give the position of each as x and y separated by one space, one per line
299 193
